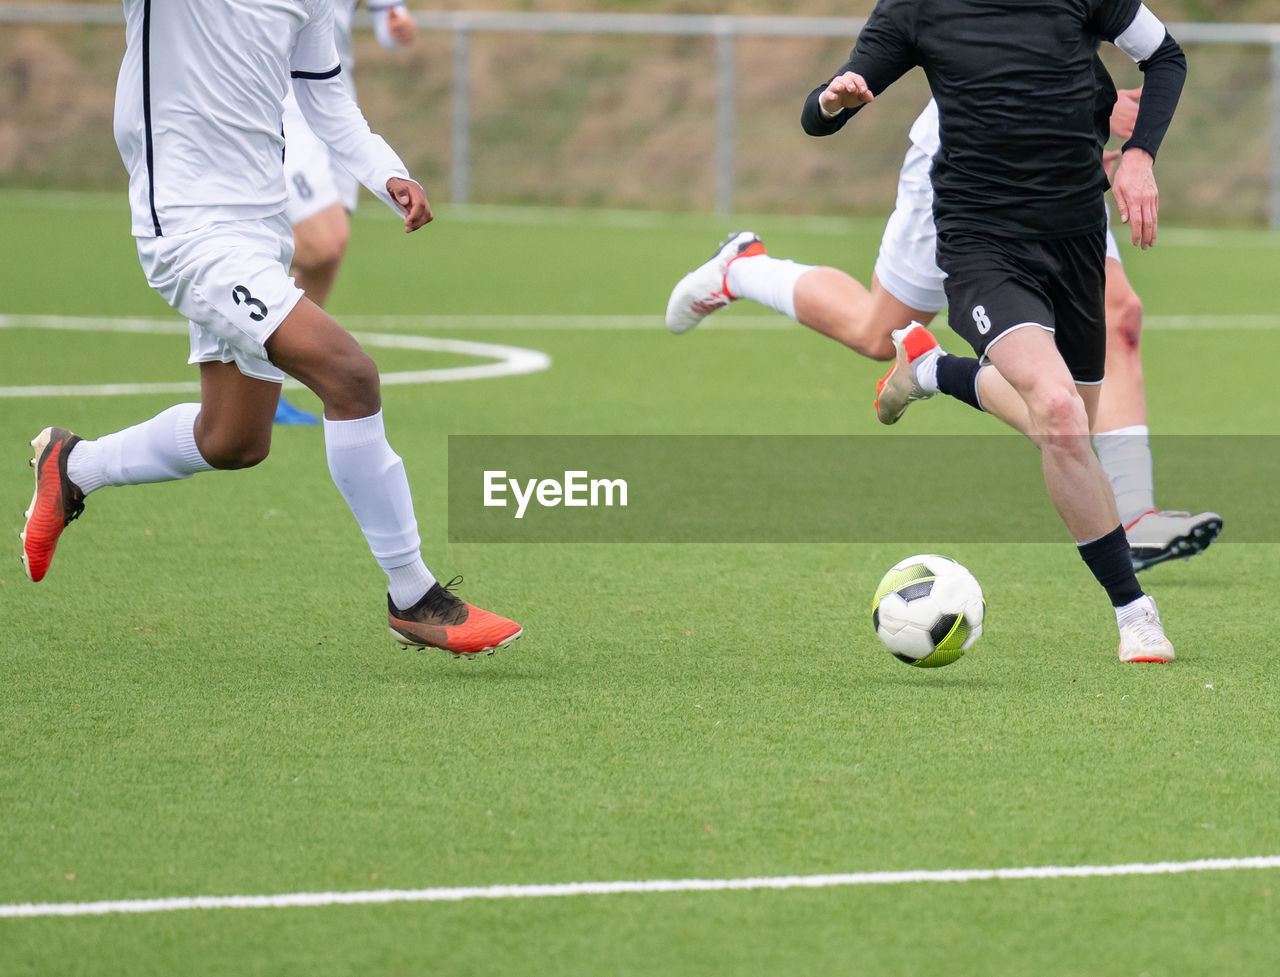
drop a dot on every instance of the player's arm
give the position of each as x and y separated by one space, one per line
1125 112
883 54
333 115
1164 67
392 23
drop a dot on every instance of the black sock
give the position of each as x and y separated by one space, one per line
1108 559
958 378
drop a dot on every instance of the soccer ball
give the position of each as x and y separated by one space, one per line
928 610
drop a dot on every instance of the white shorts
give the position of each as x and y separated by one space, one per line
231 280
907 264
1113 249
314 178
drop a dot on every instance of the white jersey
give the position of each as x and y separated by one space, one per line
924 131
199 102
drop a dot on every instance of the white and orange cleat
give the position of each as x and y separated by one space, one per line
1142 636
898 388
705 289
56 502
441 619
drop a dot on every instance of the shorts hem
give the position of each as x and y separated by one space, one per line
922 298
1004 332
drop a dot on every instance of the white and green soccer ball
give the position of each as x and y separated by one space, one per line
928 610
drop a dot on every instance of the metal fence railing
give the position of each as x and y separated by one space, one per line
725 30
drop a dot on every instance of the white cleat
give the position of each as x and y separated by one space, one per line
1167 535
1142 639
898 388
704 289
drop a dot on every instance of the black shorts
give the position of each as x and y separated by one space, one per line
995 284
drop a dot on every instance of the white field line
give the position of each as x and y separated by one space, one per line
549 216
551 322
553 890
505 360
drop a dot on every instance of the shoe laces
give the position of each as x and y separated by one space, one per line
1148 628
443 603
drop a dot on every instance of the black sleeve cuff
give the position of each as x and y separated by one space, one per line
1163 76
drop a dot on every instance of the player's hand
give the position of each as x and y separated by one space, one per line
845 91
1136 196
412 200
1125 113
401 25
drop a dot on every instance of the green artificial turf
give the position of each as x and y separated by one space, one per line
202 697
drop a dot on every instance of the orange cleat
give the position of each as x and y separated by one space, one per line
898 388
444 620
57 500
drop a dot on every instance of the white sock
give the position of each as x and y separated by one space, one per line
1125 454
769 281
925 369
371 478
162 449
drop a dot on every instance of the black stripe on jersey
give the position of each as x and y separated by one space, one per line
146 113
316 75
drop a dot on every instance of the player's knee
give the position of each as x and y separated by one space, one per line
234 453
1124 321
335 246
355 389
1058 412
322 252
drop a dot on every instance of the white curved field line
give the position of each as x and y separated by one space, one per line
552 890
505 360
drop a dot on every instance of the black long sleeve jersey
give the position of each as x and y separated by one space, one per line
1017 85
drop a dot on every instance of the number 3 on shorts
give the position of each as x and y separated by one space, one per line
257 308
981 319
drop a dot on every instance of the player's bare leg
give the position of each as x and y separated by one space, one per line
319 245
312 347
837 305
1060 413
1058 416
233 428
826 299
1124 399
1122 441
